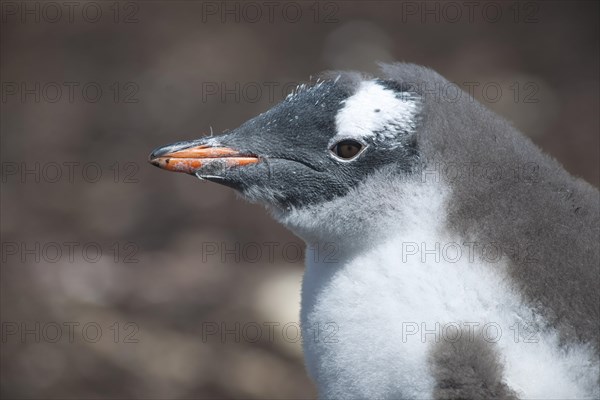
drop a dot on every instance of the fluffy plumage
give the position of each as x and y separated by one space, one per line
397 217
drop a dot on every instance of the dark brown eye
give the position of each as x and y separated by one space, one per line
347 149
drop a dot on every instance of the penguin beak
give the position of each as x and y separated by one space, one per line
192 157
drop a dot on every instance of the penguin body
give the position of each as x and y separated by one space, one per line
409 302
429 299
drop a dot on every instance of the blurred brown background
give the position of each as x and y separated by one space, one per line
175 288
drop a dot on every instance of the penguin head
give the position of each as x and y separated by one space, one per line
316 145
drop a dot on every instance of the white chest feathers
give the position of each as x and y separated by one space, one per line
369 322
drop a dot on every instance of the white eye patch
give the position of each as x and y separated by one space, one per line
376 111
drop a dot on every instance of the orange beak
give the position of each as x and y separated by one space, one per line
191 159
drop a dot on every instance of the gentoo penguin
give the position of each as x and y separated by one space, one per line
466 262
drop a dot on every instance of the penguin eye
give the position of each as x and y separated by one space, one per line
347 149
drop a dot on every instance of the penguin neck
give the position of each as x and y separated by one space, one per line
377 210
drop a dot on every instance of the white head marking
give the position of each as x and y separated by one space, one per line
376 111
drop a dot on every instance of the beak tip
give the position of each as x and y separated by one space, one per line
153 157
165 150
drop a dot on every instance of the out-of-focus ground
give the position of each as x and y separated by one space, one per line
171 308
